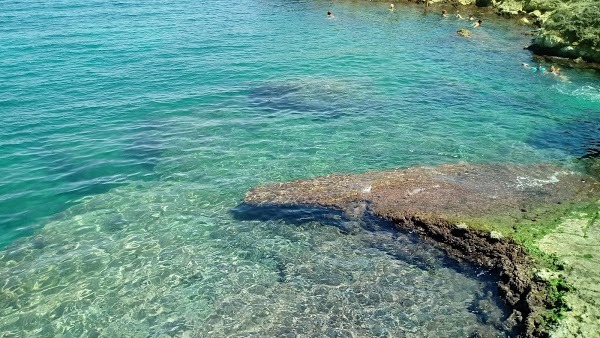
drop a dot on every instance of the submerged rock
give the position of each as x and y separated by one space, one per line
482 213
464 32
451 192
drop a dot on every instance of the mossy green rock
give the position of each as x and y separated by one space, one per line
510 8
576 242
572 30
542 5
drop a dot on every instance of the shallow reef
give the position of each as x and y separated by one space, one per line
498 216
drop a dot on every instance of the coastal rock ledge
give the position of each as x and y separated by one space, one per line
571 30
489 214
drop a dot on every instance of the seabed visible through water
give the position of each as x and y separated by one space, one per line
130 133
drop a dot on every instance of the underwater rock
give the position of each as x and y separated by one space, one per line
464 32
496 202
323 99
449 192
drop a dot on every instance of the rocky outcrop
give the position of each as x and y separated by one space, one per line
481 213
567 28
571 30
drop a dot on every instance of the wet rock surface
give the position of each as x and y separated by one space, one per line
473 211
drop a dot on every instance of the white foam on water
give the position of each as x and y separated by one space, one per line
589 92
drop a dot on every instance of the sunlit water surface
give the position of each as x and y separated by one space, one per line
131 131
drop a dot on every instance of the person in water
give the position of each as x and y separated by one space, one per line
478 23
471 17
444 13
329 15
391 7
458 16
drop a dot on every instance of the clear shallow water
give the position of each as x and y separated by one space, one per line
129 131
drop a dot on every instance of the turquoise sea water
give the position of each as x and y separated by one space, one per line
129 131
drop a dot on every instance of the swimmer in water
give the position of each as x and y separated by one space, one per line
458 16
525 65
329 15
471 17
478 23
391 7
444 13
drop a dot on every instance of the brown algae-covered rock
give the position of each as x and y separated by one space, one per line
453 192
489 214
464 32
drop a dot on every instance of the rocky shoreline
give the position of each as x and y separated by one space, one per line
566 29
489 215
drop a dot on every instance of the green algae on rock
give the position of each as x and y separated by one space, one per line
490 214
577 243
572 30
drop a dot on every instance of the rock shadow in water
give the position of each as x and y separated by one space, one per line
319 101
291 214
138 158
374 233
579 137
72 176
146 147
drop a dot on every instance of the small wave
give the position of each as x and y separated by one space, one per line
586 92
